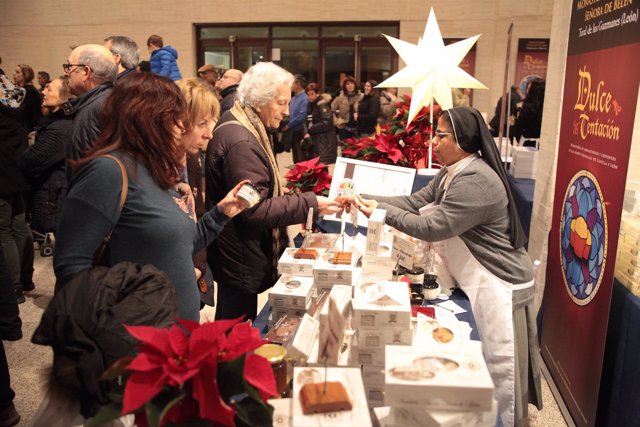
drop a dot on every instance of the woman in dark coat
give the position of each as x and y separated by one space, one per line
31 111
245 255
529 119
319 128
368 109
43 164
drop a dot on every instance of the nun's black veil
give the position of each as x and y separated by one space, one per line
472 135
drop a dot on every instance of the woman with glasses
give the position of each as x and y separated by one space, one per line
469 214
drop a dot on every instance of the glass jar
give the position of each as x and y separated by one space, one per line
275 355
416 275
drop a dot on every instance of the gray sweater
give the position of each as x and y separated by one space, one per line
475 209
151 229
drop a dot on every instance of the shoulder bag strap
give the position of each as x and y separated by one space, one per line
99 254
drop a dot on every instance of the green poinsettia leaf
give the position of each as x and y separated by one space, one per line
106 414
158 407
231 378
253 412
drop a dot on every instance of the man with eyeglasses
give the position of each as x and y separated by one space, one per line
125 52
91 69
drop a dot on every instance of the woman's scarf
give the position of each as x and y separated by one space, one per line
472 135
250 120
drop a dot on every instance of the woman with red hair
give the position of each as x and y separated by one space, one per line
142 127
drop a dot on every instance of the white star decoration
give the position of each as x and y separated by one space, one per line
432 68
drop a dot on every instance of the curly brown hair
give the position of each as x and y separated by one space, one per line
139 119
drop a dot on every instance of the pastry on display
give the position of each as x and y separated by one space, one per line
320 398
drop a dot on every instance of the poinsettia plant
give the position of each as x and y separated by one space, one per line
193 375
395 142
310 175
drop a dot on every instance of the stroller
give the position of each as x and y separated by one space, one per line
44 207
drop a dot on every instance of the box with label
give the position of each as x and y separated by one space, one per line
326 273
287 264
291 292
367 356
291 312
373 375
306 336
438 380
351 379
344 358
281 412
378 338
374 231
404 249
375 395
334 319
382 305
379 267
400 416
446 334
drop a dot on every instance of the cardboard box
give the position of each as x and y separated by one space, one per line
378 267
326 274
291 292
375 395
382 305
438 380
447 334
281 412
374 231
352 382
289 265
367 356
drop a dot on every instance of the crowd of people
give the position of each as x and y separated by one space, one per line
131 162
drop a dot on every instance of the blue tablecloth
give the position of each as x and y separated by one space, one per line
619 402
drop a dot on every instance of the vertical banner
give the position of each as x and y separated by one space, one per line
600 98
532 59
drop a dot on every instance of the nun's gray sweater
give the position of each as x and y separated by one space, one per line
475 209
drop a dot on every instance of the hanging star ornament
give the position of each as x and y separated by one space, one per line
432 68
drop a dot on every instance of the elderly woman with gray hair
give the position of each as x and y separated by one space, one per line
245 255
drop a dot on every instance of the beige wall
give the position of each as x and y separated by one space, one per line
42 39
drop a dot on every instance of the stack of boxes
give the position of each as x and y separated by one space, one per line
381 316
525 162
377 262
290 295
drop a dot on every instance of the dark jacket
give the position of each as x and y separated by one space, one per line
31 107
164 62
320 127
84 321
368 110
513 111
43 165
13 142
228 98
241 256
86 110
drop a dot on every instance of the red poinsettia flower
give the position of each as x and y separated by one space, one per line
309 175
388 144
190 354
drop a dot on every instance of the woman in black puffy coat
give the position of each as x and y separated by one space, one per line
43 164
368 109
30 108
320 134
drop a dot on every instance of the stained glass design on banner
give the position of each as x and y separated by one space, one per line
583 237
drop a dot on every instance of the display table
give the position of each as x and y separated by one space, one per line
620 385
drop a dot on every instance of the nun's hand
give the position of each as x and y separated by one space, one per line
363 205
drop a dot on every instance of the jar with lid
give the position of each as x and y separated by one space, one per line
275 355
416 275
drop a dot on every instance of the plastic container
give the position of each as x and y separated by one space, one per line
249 195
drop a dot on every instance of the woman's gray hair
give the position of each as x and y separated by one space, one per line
260 83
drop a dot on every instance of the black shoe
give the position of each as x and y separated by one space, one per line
9 416
29 286
19 298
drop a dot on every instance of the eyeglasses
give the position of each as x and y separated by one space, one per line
67 67
441 135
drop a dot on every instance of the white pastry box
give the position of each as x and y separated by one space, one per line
367 356
291 292
375 229
375 395
326 273
304 340
380 266
398 416
373 375
438 380
289 265
382 305
281 412
378 338
351 379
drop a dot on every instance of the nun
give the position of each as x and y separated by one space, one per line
468 212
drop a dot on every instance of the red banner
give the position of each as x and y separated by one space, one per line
599 105
532 59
